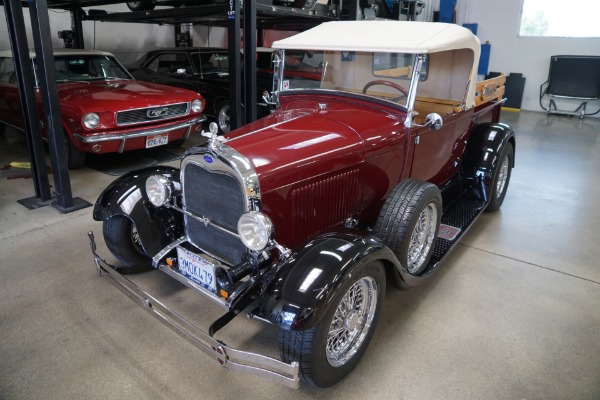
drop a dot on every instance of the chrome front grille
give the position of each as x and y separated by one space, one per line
152 113
217 200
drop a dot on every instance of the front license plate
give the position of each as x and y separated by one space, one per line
196 268
157 140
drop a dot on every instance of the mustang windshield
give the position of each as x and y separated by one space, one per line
87 68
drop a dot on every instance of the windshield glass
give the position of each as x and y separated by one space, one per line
87 68
217 62
383 75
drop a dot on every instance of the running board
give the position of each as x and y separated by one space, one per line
456 221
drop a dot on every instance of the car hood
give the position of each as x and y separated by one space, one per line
116 95
292 145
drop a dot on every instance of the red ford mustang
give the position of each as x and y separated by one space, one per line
103 108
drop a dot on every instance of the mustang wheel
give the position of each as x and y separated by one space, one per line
176 143
123 241
501 178
75 158
409 222
331 349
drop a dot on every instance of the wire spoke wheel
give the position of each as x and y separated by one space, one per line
422 237
223 119
502 176
351 321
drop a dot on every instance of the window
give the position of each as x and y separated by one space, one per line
560 18
7 71
397 65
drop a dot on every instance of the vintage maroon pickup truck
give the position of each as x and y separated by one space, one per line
300 218
103 109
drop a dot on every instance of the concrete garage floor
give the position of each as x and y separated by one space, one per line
513 314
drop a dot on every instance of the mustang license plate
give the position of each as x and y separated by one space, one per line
196 268
157 140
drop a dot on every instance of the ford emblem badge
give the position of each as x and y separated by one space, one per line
208 159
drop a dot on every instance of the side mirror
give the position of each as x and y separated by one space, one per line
434 121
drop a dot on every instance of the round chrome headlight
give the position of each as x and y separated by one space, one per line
197 105
159 189
255 230
91 120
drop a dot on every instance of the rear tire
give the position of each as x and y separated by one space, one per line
328 351
501 178
409 221
123 242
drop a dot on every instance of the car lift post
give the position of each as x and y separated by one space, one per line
26 83
64 202
235 77
250 61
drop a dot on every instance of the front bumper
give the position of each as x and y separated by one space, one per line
256 364
144 132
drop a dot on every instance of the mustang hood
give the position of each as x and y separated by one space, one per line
118 95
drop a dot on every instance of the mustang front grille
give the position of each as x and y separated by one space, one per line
218 200
152 113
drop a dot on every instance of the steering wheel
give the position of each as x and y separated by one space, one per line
386 83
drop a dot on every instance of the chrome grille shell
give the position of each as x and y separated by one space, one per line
141 115
219 185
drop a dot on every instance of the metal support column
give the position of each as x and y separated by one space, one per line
26 83
77 27
235 77
250 95
64 202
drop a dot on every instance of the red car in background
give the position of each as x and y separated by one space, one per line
103 109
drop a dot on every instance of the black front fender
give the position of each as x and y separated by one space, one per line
302 292
126 196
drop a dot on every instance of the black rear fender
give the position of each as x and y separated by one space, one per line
126 196
482 153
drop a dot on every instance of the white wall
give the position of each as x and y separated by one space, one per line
499 24
127 41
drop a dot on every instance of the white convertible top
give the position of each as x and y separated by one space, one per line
387 36
383 36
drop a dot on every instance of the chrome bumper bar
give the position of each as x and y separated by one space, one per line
139 133
237 360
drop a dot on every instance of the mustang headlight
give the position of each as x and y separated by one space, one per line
255 230
91 120
197 105
159 189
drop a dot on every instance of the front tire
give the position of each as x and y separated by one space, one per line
501 178
75 157
122 240
328 351
409 221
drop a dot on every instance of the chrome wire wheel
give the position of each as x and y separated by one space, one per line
422 238
135 239
502 176
223 119
351 321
